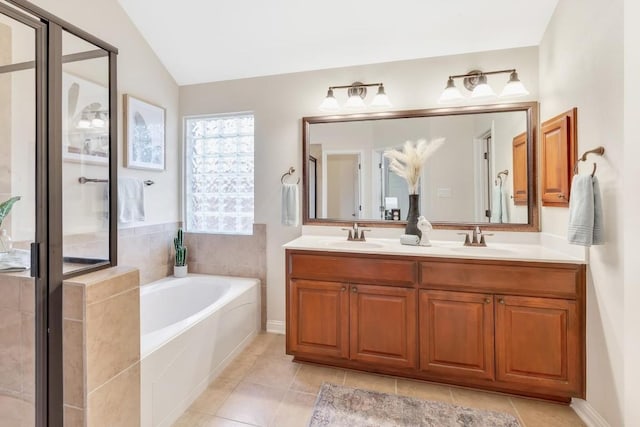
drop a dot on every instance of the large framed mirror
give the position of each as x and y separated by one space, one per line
484 173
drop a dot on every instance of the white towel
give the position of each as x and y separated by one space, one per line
499 204
130 200
585 212
290 216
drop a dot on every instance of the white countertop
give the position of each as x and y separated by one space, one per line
438 248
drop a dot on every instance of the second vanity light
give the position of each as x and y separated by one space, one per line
357 92
476 82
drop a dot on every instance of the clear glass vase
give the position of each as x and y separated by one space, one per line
6 244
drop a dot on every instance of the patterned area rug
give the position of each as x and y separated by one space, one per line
340 406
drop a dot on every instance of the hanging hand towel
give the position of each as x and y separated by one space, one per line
504 204
130 200
496 203
585 212
290 216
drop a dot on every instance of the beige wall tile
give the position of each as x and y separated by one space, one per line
27 295
116 403
73 302
120 279
28 350
10 297
16 412
10 350
73 417
113 337
73 363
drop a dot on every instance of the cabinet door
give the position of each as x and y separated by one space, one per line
520 181
558 155
456 334
537 343
319 318
383 325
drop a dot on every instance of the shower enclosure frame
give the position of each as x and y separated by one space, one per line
47 250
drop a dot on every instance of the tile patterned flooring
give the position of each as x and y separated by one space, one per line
263 387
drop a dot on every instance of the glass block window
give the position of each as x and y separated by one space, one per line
219 181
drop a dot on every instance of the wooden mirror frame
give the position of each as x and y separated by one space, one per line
531 110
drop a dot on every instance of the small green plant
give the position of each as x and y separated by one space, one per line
181 249
5 207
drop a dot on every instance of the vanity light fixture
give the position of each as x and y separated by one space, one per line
98 121
84 122
476 82
356 93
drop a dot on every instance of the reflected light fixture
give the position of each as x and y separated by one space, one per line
84 122
98 121
356 93
476 82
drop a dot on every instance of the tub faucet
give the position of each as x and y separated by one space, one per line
353 233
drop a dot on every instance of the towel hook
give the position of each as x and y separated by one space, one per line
289 173
598 150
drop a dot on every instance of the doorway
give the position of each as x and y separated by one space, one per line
343 182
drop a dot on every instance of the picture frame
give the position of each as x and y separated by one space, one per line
144 134
85 129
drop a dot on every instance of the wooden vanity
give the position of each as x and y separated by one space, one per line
510 326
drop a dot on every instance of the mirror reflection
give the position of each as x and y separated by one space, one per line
479 175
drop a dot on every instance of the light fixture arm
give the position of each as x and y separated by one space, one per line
355 85
477 73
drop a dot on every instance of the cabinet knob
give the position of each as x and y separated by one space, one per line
487 300
342 289
354 289
561 196
501 300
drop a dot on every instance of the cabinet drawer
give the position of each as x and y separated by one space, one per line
560 282
353 269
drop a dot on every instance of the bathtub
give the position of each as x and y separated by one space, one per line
190 329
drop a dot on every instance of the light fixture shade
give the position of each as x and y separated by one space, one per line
482 89
514 87
330 103
354 102
98 121
381 100
450 94
84 122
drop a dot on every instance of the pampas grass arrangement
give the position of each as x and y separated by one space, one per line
408 163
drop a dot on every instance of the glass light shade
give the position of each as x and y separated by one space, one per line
97 121
514 87
330 103
483 90
381 99
450 94
83 123
354 102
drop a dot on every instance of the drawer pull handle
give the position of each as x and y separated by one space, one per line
487 300
354 289
501 301
343 289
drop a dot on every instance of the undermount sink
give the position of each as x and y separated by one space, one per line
352 244
481 250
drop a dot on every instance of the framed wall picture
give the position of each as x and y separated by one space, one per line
85 124
144 134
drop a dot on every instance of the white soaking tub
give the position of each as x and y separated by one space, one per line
190 329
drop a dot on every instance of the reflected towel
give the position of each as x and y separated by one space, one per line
130 200
499 204
290 216
585 212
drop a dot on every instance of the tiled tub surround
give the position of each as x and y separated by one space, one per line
227 255
191 328
17 349
101 348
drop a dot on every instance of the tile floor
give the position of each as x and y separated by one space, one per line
263 387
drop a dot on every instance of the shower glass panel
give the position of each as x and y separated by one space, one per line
17 225
85 153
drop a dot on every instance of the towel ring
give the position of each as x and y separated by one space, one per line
598 150
289 173
504 172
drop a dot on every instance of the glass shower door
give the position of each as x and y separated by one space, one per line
18 115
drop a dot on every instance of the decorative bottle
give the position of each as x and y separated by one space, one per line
6 244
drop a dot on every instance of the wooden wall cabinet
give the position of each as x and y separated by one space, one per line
558 155
520 181
508 326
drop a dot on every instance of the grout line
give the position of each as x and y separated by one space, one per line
517 412
236 421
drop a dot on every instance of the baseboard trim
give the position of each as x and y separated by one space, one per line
589 415
276 327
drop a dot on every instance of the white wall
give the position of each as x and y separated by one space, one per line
581 65
631 207
140 73
279 103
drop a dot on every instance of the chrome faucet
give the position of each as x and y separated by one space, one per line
477 238
353 233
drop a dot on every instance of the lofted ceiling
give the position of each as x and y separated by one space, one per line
212 40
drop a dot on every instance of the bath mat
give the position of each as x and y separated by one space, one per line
340 406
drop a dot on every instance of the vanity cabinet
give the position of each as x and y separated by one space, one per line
509 326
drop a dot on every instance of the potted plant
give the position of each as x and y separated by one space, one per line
5 239
180 264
